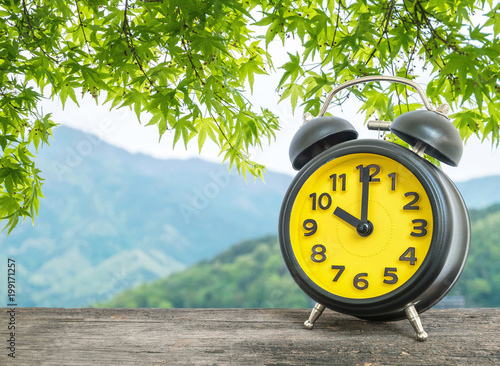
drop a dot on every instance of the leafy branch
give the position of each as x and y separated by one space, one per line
185 65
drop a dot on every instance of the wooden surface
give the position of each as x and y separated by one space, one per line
47 336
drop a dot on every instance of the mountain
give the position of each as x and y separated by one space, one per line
252 274
480 192
480 281
111 220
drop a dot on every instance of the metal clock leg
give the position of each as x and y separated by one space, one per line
415 322
315 314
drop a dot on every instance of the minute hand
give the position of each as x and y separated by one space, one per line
364 194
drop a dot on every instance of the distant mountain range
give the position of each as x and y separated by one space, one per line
480 192
112 220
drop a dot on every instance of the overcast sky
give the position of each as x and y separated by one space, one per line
121 128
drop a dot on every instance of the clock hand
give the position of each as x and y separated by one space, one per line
364 194
347 217
363 228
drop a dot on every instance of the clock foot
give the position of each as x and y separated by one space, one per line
315 314
415 322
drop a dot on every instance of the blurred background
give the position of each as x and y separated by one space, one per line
128 221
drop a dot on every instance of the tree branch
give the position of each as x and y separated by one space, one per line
80 21
32 30
387 18
130 43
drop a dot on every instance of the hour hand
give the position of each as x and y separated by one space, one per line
347 217
363 228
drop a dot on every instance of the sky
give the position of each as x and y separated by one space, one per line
121 128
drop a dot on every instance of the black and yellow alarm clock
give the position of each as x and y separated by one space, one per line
370 228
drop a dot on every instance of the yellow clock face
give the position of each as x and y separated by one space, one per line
361 226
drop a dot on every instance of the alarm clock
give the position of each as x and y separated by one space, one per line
368 227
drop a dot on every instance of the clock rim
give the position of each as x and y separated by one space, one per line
434 261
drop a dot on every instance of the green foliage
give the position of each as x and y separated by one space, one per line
249 275
180 65
184 66
444 41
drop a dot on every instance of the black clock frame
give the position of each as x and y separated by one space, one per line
447 253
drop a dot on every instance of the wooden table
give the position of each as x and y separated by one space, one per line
52 336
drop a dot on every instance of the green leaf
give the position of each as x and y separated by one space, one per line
12 223
294 91
8 205
292 69
183 127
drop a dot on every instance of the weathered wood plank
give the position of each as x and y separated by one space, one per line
47 336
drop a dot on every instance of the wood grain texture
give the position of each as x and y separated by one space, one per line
52 336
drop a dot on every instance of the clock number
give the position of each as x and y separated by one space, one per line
411 205
339 273
318 250
393 181
372 175
393 277
360 283
421 227
409 256
321 201
313 196
342 177
311 226
328 201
